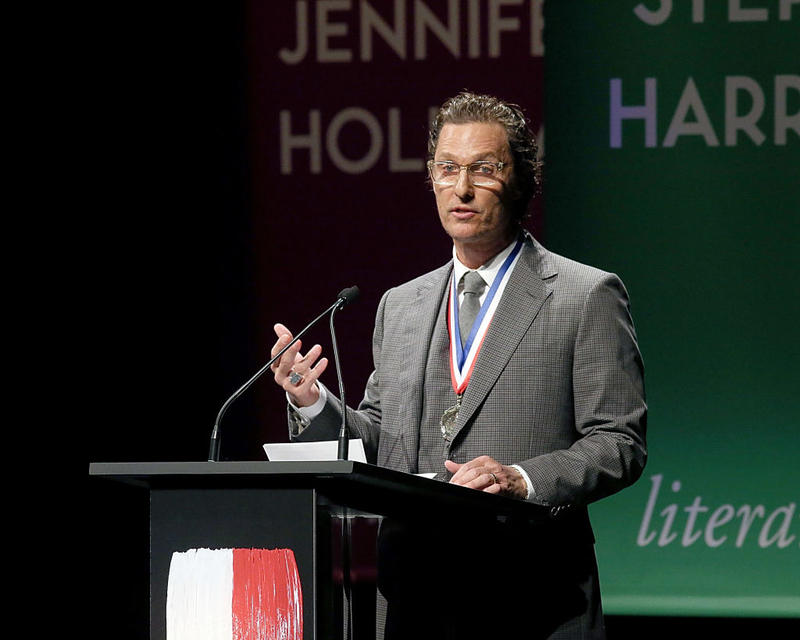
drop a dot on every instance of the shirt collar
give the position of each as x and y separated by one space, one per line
487 271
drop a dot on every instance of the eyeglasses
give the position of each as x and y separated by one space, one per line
482 173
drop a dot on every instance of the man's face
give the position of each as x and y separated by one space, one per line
477 218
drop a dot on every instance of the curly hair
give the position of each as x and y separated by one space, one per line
469 107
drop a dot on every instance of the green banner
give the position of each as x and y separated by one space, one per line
673 159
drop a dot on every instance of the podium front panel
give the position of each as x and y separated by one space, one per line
222 519
325 523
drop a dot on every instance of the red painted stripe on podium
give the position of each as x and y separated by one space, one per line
267 597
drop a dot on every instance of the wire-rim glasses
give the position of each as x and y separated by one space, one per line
482 173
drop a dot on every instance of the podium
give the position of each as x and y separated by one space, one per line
327 513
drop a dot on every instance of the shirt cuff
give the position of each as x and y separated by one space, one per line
307 414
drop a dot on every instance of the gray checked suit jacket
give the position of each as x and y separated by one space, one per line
557 386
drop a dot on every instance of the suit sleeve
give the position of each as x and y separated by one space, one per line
610 412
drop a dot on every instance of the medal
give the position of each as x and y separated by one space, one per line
448 421
462 360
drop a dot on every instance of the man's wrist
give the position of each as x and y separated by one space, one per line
307 414
530 492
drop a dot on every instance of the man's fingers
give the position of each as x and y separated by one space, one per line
463 473
296 373
287 360
303 363
284 338
451 466
309 374
281 330
486 474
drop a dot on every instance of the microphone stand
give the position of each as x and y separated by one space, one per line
343 454
214 444
344 434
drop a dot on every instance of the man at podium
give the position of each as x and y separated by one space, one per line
510 370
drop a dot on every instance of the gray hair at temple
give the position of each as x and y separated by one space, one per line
469 107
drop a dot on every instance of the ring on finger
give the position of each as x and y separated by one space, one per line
494 478
295 378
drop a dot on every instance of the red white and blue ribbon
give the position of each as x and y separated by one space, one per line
462 359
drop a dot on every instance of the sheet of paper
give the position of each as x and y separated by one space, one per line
312 451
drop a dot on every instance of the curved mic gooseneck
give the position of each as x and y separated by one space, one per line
344 435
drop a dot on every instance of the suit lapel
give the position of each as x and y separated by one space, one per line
522 300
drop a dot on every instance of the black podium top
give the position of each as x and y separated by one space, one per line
357 485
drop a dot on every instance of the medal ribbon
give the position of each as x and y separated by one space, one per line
462 360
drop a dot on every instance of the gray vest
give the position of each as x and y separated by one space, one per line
438 396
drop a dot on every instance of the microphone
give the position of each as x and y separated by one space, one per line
345 297
348 296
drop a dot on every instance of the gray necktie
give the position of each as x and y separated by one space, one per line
471 305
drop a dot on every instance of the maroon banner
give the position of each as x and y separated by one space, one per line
341 93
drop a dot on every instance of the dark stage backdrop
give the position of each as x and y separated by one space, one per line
254 160
340 96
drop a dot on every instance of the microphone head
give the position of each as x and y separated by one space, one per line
349 295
